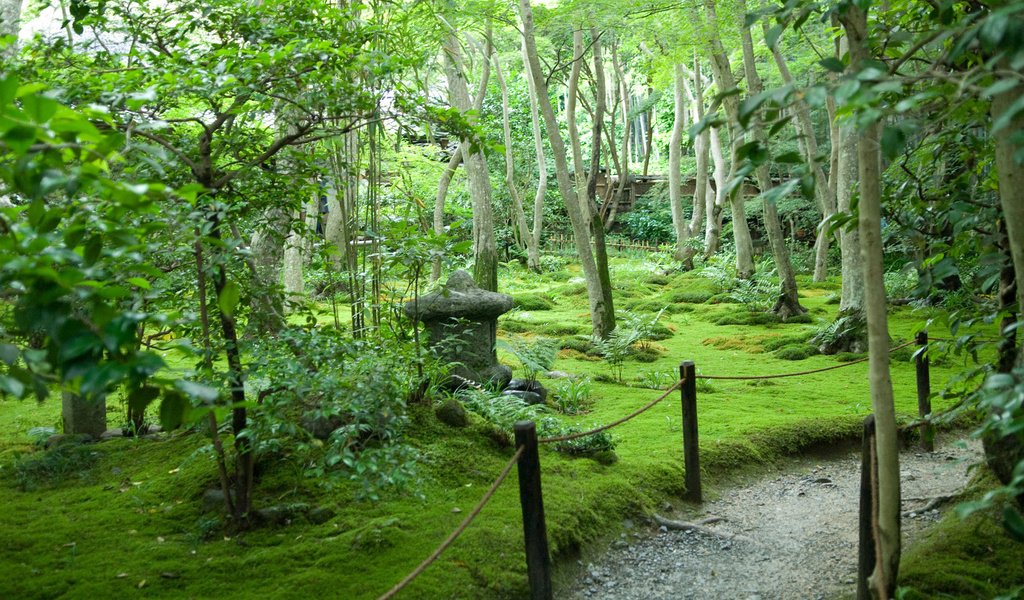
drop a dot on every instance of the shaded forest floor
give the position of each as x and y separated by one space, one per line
127 516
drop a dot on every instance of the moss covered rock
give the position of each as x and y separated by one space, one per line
452 413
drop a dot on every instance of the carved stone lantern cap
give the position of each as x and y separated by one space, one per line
460 298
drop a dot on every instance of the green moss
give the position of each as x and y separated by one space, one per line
579 343
796 352
743 316
515 326
556 329
850 356
690 296
969 558
722 299
533 302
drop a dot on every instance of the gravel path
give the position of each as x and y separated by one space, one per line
798 534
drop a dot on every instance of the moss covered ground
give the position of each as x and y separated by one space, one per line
126 516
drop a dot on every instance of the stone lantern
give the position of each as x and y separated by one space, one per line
462 323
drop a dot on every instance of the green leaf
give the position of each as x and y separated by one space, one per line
993 30
203 393
790 158
172 410
93 248
228 298
10 385
893 140
832 64
9 354
139 282
142 397
772 36
1014 523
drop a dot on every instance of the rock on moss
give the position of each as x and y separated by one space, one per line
451 412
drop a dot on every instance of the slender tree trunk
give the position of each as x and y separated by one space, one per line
627 129
485 253
580 225
10 24
702 146
590 208
442 193
533 249
675 152
518 213
715 202
1004 454
788 303
887 529
725 82
826 199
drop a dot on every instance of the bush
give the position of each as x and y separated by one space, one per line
650 221
532 301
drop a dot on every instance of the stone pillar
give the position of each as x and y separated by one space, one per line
83 416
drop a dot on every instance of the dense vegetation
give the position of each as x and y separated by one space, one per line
214 213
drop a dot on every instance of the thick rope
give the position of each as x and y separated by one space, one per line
799 373
574 436
458 530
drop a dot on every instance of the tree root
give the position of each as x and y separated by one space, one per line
932 503
699 527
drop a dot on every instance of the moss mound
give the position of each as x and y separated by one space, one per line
532 301
796 352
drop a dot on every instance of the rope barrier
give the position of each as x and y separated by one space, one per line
458 530
797 374
573 436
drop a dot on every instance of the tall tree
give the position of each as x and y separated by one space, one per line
887 512
485 252
683 253
788 303
601 315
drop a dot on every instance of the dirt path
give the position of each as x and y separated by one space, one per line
798 528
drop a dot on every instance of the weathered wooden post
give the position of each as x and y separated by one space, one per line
691 447
924 392
866 542
538 561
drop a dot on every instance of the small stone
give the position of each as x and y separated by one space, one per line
452 413
456 510
529 398
170 575
559 375
663 529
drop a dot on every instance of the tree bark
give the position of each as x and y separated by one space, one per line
715 202
518 212
887 530
702 146
580 226
533 250
683 253
10 24
826 199
485 253
725 82
788 303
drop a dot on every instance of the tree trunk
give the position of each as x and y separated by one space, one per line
267 250
887 529
702 146
580 226
725 82
485 253
1003 455
788 303
825 198
442 193
597 224
518 213
533 249
627 129
10 24
675 152
715 202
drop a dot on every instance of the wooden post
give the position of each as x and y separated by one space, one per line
538 560
691 448
866 543
924 391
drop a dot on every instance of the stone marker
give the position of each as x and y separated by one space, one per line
81 415
462 323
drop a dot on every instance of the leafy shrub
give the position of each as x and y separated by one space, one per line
600 445
900 284
650 221
646 355
535 356
533 301
354 390
572 396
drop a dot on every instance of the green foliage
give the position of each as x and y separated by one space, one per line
649 221
534 356
65 463
354 390
573 396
